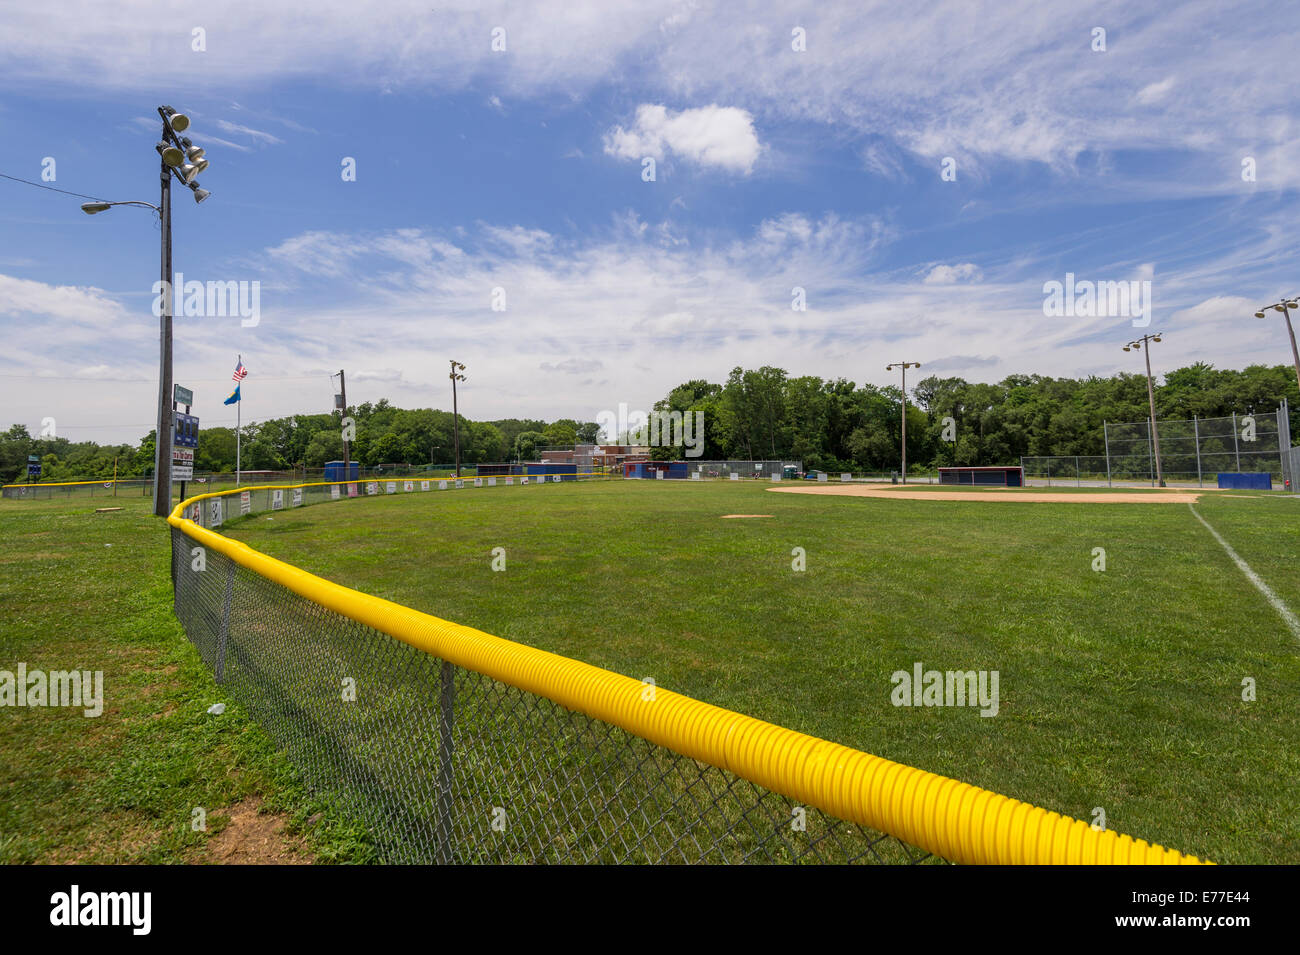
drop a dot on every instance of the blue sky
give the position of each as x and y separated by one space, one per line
521 170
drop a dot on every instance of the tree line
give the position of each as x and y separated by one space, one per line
828 424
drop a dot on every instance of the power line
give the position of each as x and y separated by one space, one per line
39 185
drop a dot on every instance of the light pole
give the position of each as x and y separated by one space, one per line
1285 307
1151 397
182 159
904 365
456 369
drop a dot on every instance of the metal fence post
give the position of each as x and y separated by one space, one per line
1235 447
223 635
446 707
1105 434
1196 438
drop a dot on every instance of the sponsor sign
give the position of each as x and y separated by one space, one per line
334 492
277 500
408 486
245 502
424 485
215 509
297 496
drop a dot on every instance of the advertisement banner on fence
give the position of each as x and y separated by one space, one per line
215 512
408 486
297 496
334 492
352 490
277 500
245 502
735 476
510 480
555 478
492 482
424 485
196 513
442 485
524 479
391 487
372 487
478 482
460 483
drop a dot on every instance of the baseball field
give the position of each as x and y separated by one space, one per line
1144 671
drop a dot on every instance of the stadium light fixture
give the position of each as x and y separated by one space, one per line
1151 397
456 369
172 155
177 122
904 365
1284 306
192 153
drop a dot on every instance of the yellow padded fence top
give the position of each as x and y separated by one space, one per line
951 819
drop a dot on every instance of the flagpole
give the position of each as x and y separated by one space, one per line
239 408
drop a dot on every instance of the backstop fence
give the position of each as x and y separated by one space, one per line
1192 451
452 745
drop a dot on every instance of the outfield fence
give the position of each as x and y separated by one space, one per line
452 745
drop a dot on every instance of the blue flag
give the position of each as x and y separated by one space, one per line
233 398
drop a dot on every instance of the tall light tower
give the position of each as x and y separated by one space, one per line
1151 397
456 369
182 159
904 365
1285 307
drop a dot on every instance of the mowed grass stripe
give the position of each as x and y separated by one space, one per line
1119 689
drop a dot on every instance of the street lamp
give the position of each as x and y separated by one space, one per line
904 365
456 369
174 152
1285 307
1151 397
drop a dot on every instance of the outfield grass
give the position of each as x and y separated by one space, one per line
91 591
1119 689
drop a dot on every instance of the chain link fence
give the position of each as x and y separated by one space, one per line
1192 451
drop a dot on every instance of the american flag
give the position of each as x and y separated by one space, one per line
240 372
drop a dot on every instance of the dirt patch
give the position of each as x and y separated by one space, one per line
729 516
255 838
1006 495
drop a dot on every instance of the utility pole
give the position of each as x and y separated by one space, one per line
1151 397
162 469
904 365
347 445
456 368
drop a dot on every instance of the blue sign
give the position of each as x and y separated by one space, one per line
187 431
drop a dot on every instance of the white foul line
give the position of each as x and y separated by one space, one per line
1291 620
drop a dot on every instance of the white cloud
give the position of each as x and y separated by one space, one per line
950 274
712 135
255 134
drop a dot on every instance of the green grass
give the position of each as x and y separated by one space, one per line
1119 689
91 591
